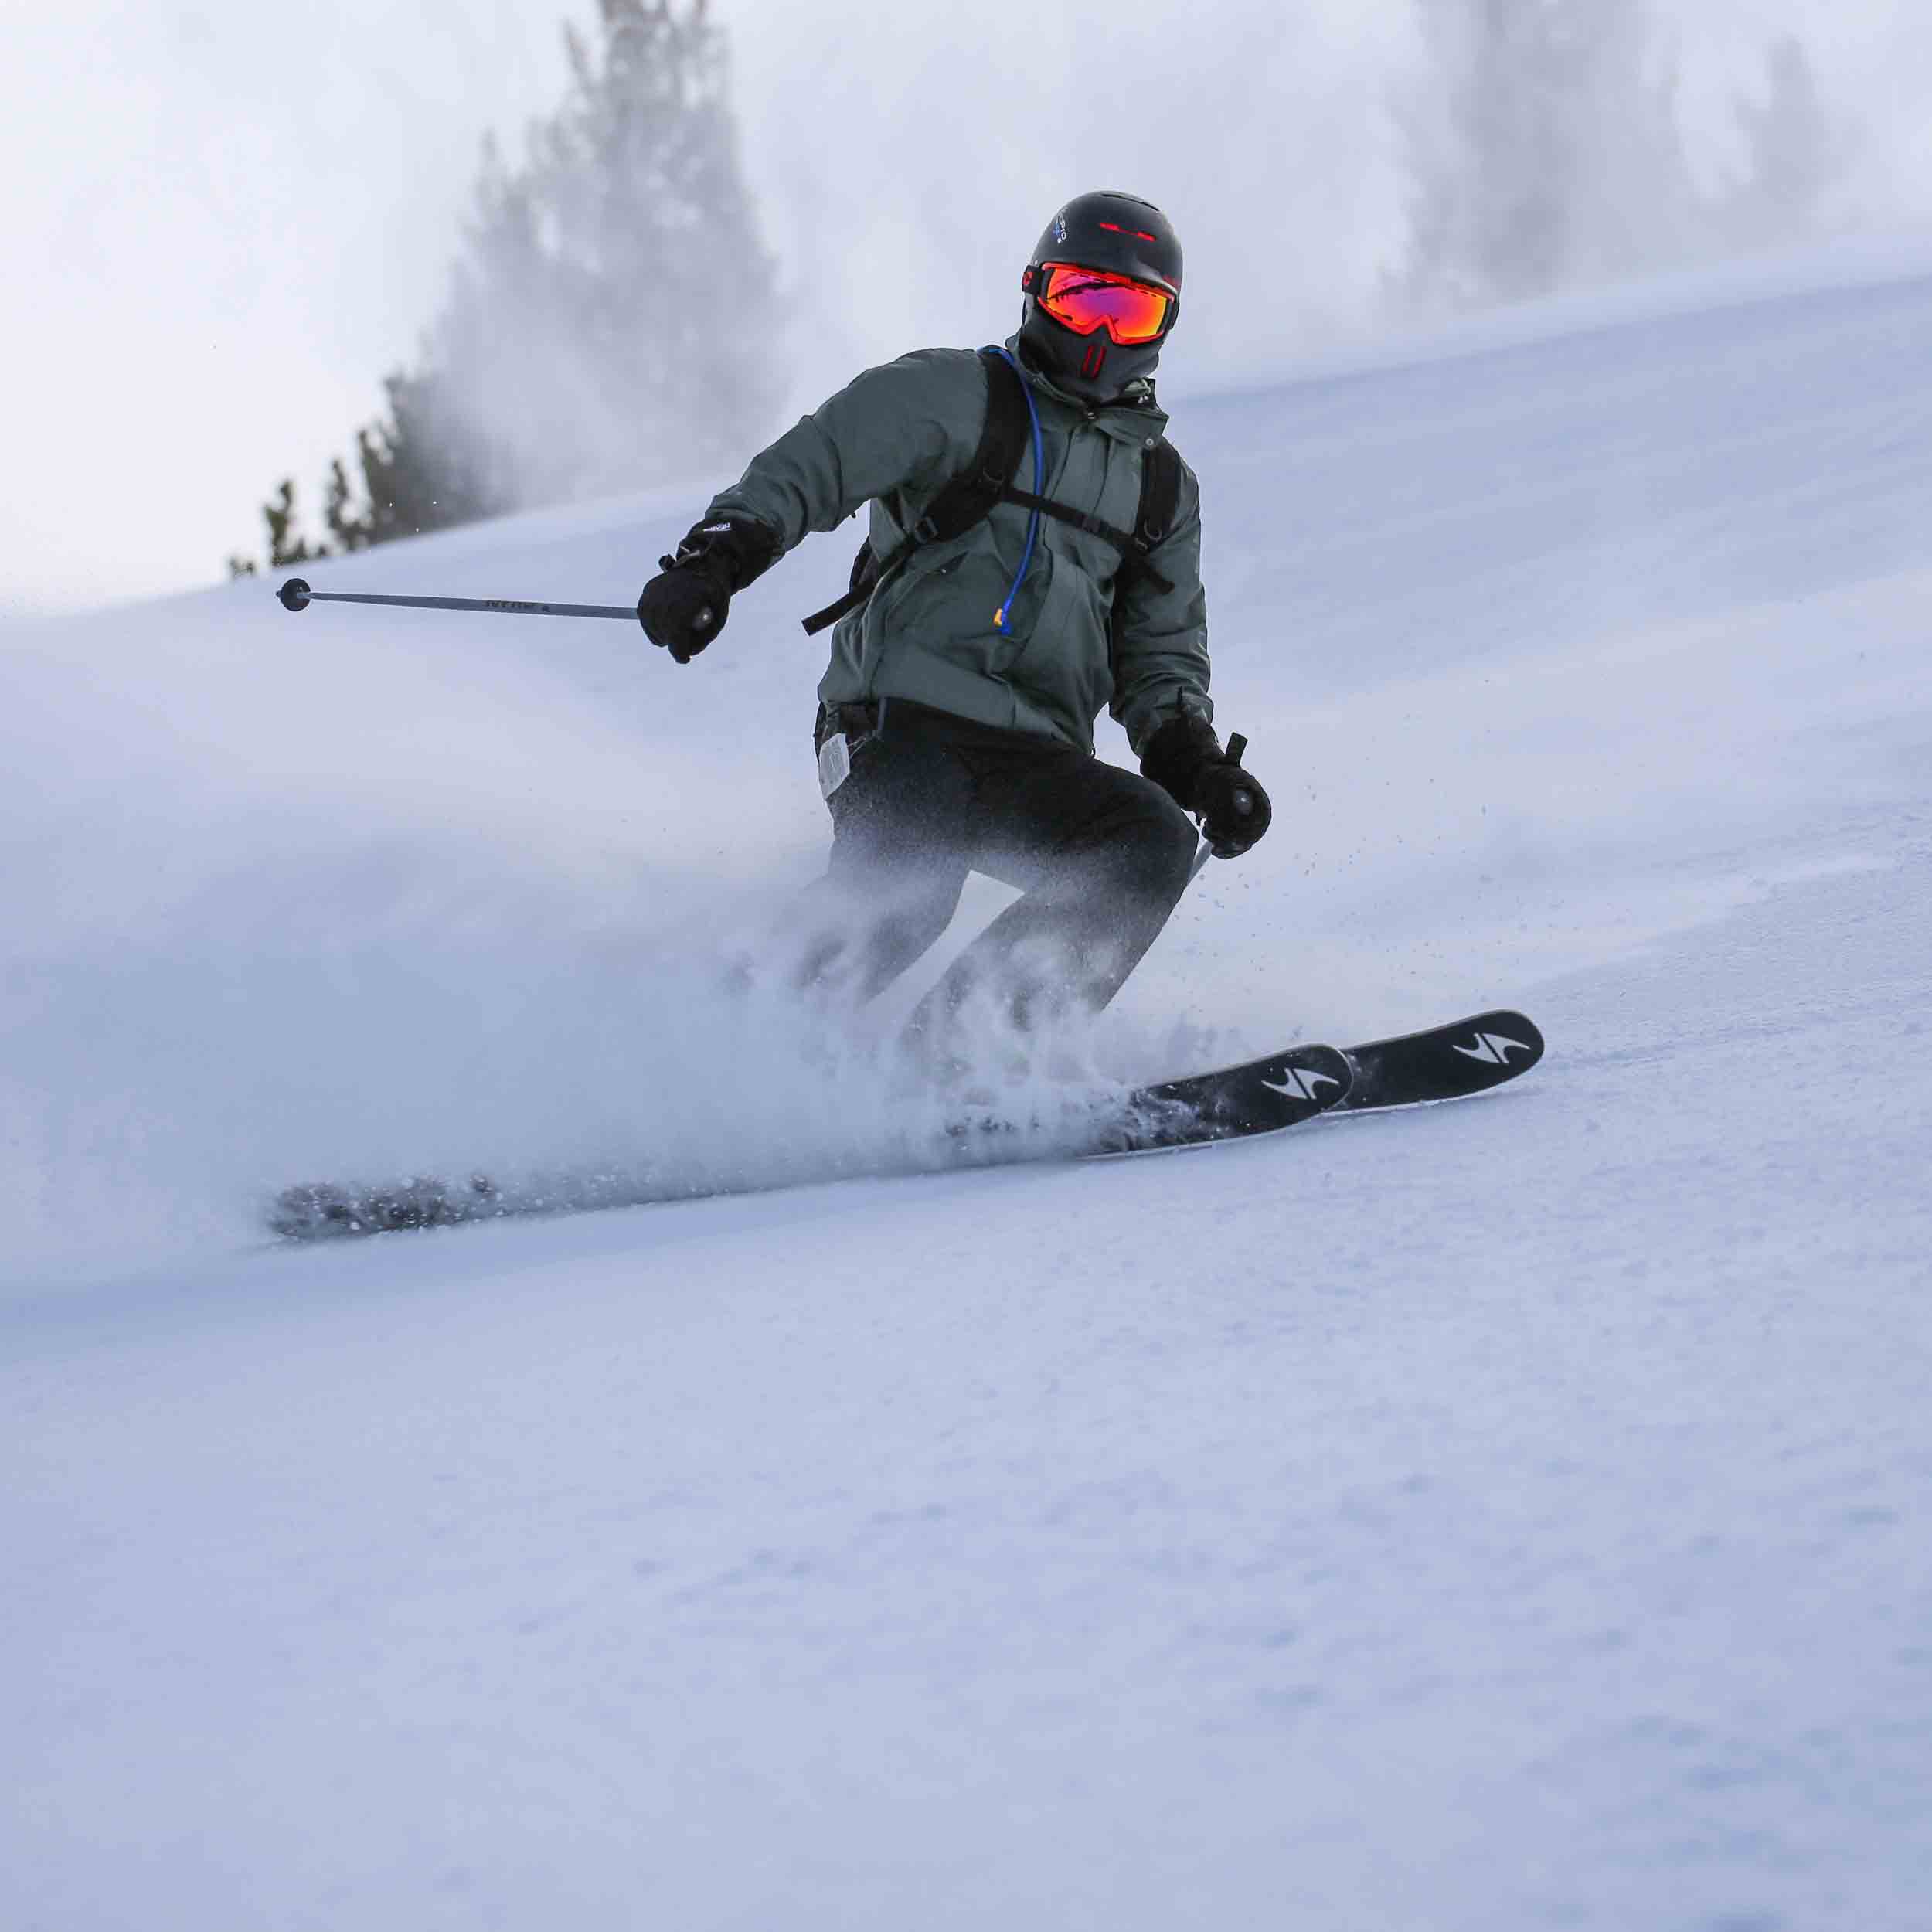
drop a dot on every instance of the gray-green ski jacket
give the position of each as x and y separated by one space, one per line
893 438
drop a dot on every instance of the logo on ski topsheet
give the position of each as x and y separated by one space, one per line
1300 1083
1493 1050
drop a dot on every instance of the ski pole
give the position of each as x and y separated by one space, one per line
1237 750
295 595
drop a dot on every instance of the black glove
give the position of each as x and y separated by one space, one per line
1235 811
1185 759
685 606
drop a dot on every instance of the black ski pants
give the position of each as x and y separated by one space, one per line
1101 855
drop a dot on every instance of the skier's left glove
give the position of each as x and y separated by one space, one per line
685 606
1185 759
1235 811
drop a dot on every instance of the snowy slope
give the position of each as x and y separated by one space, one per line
1504 1515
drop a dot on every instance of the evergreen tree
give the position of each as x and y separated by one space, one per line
610 321
1797 153
1546 152
412 479
286 543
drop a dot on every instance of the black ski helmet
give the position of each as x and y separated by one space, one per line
1121 235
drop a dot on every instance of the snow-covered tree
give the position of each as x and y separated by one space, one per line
612 320
1794 151
611 317
1544 148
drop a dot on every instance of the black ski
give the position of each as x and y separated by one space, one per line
1231 1104
1257 1097
1263 1096
320 1210
1442 1062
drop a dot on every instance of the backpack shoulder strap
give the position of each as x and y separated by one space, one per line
1153 520
1160 500
971 495
963 500
1153 517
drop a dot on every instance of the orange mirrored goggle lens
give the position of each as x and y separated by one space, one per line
1086 299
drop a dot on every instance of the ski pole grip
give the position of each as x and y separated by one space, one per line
1238 747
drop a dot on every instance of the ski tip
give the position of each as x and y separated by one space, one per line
1501 1039
1444 1063
321 1211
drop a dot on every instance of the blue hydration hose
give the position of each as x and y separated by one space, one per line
1002 616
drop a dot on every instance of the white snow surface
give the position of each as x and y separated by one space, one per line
1508 1514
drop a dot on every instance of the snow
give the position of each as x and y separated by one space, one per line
1509 1514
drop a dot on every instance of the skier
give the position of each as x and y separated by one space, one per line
987 626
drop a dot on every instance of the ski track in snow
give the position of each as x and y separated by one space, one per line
1505 1514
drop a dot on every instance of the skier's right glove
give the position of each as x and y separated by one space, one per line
1185 759
685 606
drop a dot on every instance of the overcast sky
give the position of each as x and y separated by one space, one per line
221 221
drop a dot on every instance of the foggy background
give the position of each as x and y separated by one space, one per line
220 229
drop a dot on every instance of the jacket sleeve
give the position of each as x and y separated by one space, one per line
905 426
1162 660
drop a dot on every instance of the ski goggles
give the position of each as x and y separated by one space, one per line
1087 299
